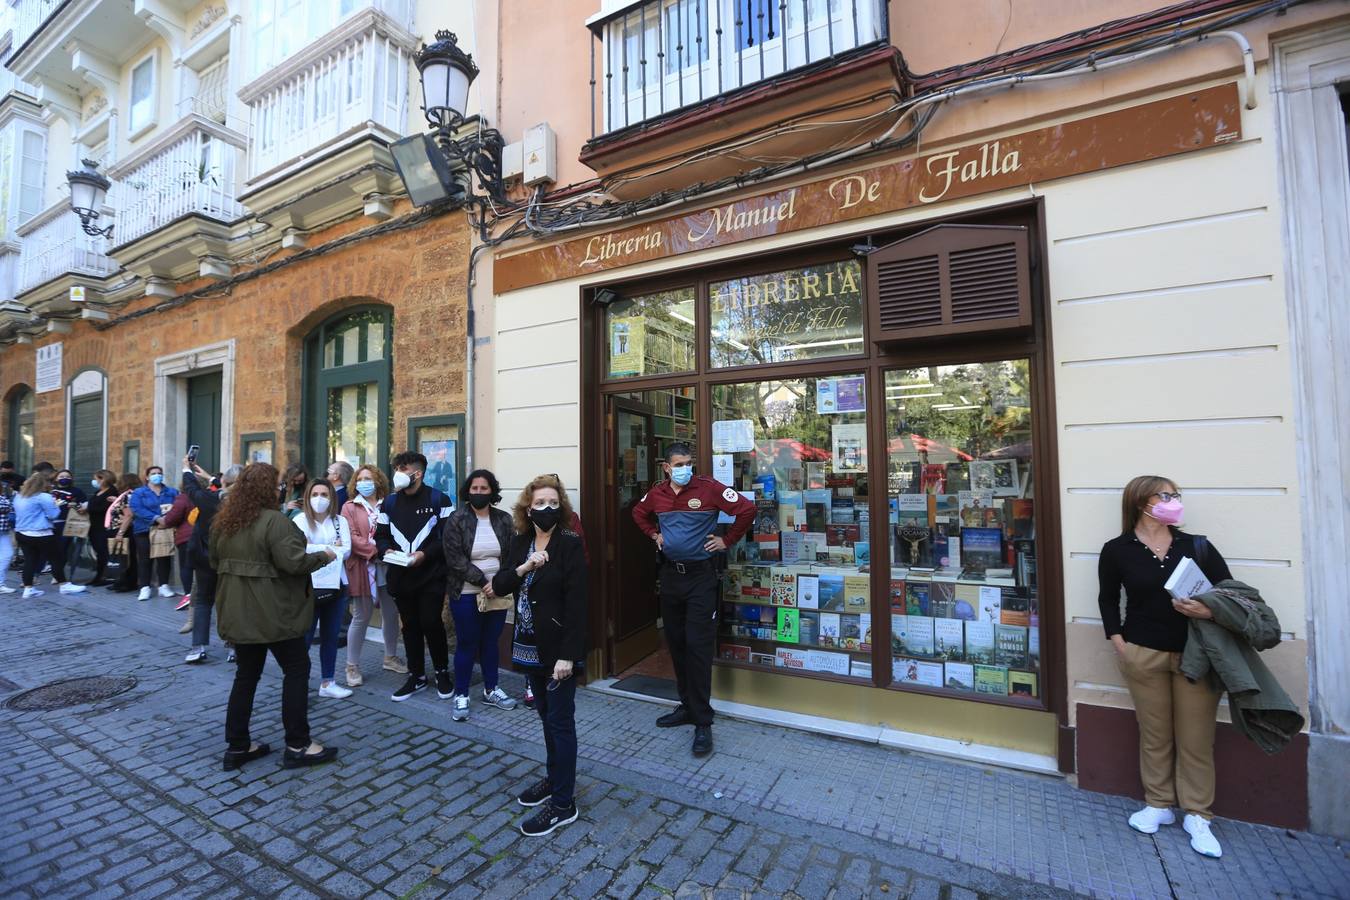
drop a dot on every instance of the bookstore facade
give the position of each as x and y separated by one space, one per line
928 374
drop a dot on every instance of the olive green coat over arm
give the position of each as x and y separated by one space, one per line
263 589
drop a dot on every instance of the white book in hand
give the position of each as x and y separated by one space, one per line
1187 580
397 558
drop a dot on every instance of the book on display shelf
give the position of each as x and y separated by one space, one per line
942 597
783 587
850 632
840 535
766 547
991 604
981 548
991 680
808 591
967 601
814 545
731 583
762 659
839 555
897 592
1010 646
750 613
831 591
1022 684
959 676
828 630
917 601
917 671
789 626
756 583
856 593
916 636
865 629
790 658
934 478
1015 608
841 511
862 553
792 548
736 652
980 642
949 641
946 550
766 486
975 509
1033 648
860 669
809 628
825 661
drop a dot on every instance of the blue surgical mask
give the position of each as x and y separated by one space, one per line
157 478
681 474
95 483
365 488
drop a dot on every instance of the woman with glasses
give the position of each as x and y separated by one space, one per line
1176 716
545 568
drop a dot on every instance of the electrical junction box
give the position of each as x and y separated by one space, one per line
513 161
541 155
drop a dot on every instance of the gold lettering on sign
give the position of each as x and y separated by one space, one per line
947 169
851 190
727 219
603 247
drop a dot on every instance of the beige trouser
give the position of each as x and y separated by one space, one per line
1176 730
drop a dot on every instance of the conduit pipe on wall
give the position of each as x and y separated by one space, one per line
1247 91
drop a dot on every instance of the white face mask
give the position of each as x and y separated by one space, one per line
319 505
401 480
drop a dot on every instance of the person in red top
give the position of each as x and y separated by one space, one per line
179 518
680 515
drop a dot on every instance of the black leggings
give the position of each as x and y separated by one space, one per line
98 539
37 549
162 565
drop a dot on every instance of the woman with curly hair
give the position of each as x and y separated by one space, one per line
264 603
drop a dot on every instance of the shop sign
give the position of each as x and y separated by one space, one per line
1161 128
797 314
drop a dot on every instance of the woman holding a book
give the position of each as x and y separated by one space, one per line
1176 716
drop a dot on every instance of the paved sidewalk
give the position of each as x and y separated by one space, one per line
126 797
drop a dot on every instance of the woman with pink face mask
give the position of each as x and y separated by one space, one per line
1176 716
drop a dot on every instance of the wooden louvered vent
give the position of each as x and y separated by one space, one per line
950 280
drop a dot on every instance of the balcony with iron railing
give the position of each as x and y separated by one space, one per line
670 78
54 245
353 81
189 171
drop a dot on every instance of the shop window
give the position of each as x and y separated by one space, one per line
797 314
651 334
797 593
22 426
441 440
348 378
964 611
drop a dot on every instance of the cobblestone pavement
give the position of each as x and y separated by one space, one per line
125 797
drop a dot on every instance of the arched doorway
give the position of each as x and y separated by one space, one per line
348 376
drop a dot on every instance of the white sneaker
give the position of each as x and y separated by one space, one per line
334 690
30 592
166 591
6 589
71 587
460 712
498 698
1147 820
145 593
1202 841
195 655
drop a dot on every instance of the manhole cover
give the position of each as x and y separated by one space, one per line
71 692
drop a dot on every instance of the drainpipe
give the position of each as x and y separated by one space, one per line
468 360
1247 89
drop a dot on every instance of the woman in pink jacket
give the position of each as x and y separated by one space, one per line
365 575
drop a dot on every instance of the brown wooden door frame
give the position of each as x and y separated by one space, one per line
623 650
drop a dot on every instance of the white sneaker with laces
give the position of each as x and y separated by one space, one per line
460 712
145 594
195 655
6 589
30 592
498 698
1147 820
1202 841
166 591
71 587
334 690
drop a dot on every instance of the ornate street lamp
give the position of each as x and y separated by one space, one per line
88 190
427 162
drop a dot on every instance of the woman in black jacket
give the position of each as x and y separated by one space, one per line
105 492
545 567
476 537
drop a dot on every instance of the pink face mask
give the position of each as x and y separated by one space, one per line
1168 512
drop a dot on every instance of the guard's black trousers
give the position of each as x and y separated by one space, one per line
689 619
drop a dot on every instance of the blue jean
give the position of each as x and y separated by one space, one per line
476 635
328 607
558 711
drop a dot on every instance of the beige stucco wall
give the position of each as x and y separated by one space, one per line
1171 354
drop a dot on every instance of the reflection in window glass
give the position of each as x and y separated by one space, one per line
650 334
356 339
353 423
796 594
806 313
143 94
964 609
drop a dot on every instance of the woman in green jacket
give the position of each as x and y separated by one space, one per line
263 602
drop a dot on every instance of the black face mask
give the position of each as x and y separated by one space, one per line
545 519
480 501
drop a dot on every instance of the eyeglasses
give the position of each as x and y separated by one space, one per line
1168 496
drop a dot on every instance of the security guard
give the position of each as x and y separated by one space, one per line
681 515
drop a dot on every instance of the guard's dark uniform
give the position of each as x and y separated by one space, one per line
689 578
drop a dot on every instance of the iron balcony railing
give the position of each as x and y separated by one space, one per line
659 56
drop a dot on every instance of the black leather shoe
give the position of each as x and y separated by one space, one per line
702 740
676 717
236 758
293 760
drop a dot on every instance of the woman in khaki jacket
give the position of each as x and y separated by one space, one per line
264 602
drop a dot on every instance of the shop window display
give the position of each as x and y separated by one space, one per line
796 591
960 505
652 334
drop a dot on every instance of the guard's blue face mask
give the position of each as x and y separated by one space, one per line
681 474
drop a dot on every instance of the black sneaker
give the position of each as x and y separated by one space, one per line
444 689
535 794
414 684
548 820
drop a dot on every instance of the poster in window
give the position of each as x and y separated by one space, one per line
850 447
441 457
48 375
999 476
827 396
733 436
849 394
627 344
258 452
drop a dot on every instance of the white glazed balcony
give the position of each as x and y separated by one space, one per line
54 244
354 80
28 18
191 170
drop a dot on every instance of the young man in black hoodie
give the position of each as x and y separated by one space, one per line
408 538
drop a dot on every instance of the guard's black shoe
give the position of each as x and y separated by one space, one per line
676 717
536 793
236 758
295 759
548 819
702 740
